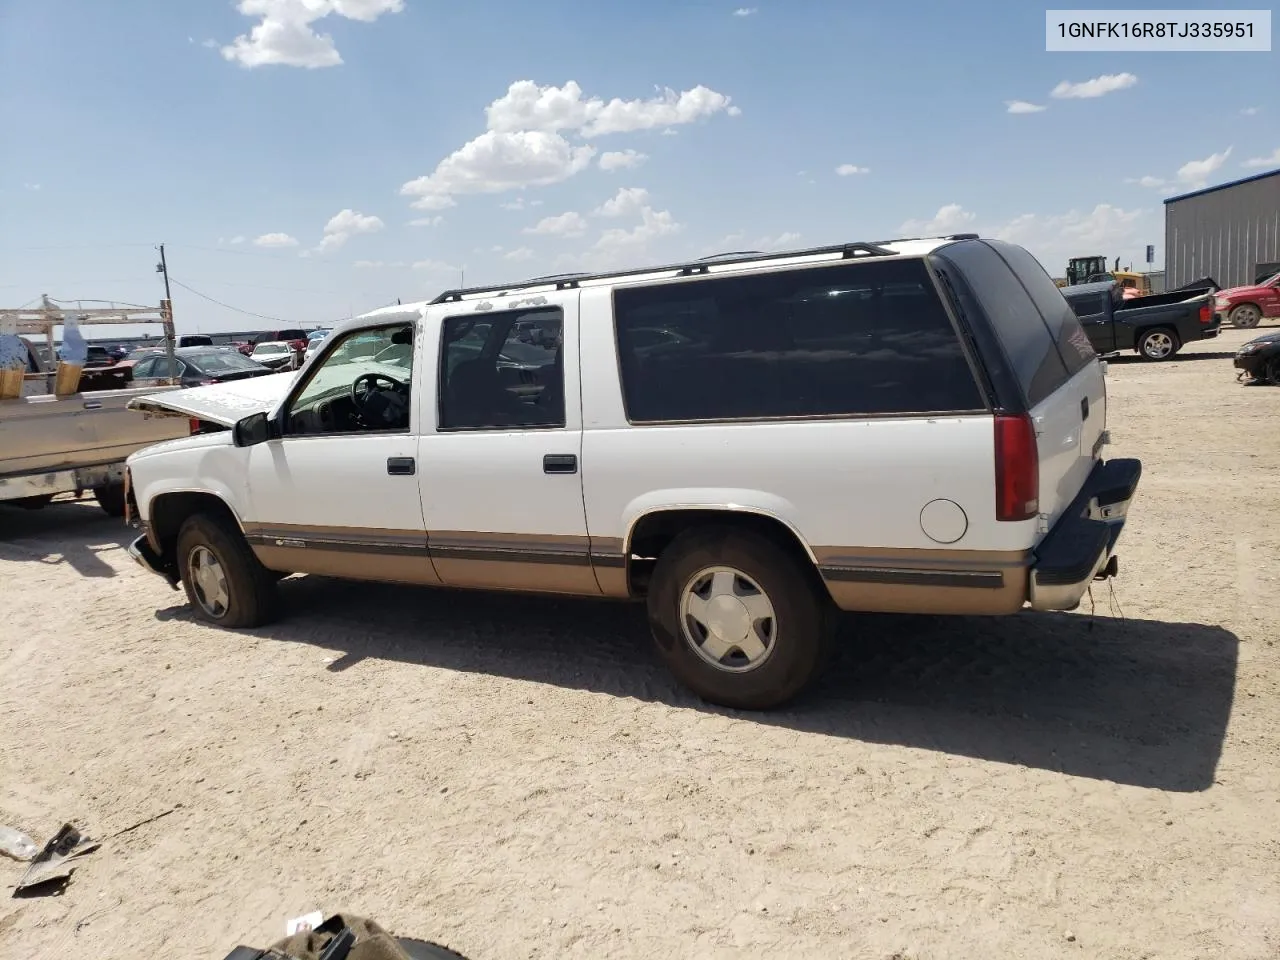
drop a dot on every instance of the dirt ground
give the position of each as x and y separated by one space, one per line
517 778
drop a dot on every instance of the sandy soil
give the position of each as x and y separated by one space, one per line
517 778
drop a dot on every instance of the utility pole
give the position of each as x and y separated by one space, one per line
163 267
171 339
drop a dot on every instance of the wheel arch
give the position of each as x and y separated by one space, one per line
652 529
168 511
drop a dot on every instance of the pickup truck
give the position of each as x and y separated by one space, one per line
1156 326
51 444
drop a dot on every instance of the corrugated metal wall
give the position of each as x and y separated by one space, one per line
1223 234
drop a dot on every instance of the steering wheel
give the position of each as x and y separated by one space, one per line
360 397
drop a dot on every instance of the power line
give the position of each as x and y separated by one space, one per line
247 313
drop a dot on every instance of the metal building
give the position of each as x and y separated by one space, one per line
1230 232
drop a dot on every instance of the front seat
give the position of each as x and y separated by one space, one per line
477 396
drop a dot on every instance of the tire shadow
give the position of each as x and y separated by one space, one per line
1138 702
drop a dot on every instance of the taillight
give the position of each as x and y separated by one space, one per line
195 425
1017 468
1206 313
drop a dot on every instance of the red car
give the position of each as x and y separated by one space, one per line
1246 306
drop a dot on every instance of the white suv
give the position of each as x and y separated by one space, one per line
748 444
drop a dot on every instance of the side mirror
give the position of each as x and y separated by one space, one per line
252 430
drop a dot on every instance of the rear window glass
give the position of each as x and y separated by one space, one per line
1017 323
858 338
1069 337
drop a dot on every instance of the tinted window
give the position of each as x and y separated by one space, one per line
858 338
1017 323
143 368
1067 333
1090 305
492 376
225 361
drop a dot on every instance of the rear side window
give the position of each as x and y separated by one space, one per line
1069 337
1089 306
1018 325
858 338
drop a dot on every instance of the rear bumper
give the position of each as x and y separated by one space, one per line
1081 546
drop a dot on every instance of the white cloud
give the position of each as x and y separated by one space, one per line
434 266
1249 111
779 242
1023 106
33 187
951 218
497 161
275 240
1271 161
568 224
209 44
284 34
1196 173
519 254
368 264
1096 87
1105 229
344 225
526 106
849 170
744 11
427 222
653 224
625 203
621 160
237 240
1153 183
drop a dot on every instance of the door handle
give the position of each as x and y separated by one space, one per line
560 463
401 466
1084 408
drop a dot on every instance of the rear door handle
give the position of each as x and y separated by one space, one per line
401 466
560 463
1084 408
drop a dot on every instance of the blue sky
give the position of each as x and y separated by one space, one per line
275 166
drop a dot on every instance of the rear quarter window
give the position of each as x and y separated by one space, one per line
1069 337
1021 330
853 339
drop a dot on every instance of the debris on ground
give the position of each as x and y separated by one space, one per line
55 862
16 844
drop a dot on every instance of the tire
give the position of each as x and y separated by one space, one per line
235 590
1271 372
1245 315
788 648
111 499
1157 344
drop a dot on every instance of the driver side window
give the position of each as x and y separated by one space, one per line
363 384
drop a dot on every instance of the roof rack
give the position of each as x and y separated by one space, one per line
568 281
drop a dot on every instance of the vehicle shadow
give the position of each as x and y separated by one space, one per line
1127 358
1137 702
73 532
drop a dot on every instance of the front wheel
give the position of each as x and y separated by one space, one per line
1245 316
225 583
1157 344
736 619
1272 372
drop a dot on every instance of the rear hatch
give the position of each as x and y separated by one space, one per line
1049 355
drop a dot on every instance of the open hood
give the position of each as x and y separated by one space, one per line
223 403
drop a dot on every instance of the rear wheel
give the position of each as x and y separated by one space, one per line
111 499
737 619
1247 316
1272 371
225 583
1158 344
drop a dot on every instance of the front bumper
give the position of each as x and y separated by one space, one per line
1250 363
147 558
1081 546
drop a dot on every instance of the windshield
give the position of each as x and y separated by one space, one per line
221 361
271 348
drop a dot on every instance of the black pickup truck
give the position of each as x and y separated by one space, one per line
1156 326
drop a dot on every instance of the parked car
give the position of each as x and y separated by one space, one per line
1156 326
295 337
195 340
198 366
1246 306
314 339
1259 359
911 426
277 355
100 357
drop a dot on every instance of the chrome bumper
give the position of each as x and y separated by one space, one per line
146 558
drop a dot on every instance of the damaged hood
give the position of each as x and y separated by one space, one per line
221 403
